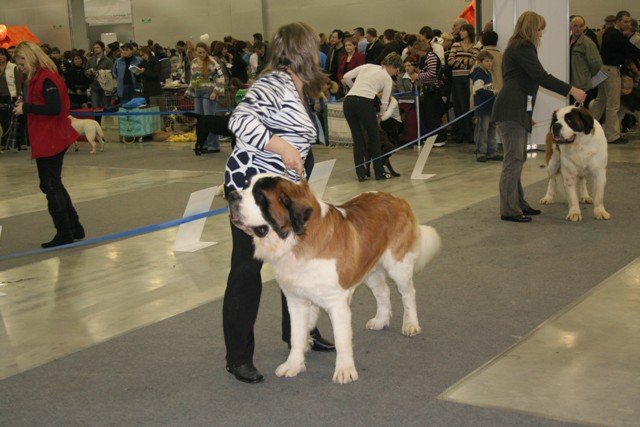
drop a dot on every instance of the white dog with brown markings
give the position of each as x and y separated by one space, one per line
320 253
577 149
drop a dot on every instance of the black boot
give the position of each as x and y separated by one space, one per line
76 228
60 215
64 233
320 344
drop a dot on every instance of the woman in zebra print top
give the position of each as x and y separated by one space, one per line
274 130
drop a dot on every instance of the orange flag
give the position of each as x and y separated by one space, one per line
11 36
469 13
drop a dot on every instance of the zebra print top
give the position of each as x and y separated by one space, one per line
272 106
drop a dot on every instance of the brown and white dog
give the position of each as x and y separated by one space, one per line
320 253
577 149
91 130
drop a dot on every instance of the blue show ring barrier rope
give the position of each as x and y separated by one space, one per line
123 234
137 113
173 223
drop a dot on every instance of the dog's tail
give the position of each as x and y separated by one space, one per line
429 245
100 132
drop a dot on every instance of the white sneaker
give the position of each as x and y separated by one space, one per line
440 144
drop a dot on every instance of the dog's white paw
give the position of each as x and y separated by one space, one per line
546 200
290 369
377 324
411 329
588 200
345 374
600 213
574 216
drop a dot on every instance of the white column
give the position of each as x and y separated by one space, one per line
553 51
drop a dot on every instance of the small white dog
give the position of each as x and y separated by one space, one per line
91 130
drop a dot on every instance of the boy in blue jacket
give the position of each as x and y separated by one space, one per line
483 91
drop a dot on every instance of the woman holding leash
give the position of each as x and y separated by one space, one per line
275 128
513 110
50 133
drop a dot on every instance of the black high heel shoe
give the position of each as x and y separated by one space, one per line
198 151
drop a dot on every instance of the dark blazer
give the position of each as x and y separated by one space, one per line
151 77
386 50
373 51
522 74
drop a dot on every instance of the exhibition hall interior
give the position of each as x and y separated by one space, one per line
527 317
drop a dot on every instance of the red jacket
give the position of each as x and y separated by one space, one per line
356 60
48 135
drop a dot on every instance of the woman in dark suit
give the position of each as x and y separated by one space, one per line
150 74
513 109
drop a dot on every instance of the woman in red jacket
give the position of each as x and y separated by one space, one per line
350 60
50 134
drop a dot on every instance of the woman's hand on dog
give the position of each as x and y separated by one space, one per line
213 96
290 156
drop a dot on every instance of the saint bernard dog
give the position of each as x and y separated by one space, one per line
320 253
577 149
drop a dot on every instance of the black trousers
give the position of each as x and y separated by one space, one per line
460 93
242 296
431 110
5 119
362 119
59 203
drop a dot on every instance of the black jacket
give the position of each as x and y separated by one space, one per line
151 77
76 79
523 74
373 51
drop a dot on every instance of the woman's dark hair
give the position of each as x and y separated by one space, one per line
470 30
240 45
489 38
158 50
427 32
216 49
410 39
5 52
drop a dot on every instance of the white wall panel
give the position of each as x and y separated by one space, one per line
553 51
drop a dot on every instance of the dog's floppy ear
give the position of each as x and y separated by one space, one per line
554 118
299 212
587 120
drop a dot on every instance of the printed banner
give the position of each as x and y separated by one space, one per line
103 12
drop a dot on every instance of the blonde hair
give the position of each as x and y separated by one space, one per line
35 57
296 47
392 60
527 27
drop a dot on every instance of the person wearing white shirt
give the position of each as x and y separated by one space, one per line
360 111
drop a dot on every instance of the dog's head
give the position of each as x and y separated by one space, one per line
273 210
567 122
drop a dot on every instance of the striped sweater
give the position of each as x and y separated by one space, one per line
461 61
272 106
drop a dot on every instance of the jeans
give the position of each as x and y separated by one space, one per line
486 143
206 107
99 99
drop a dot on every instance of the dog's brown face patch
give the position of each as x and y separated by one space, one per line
579 120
